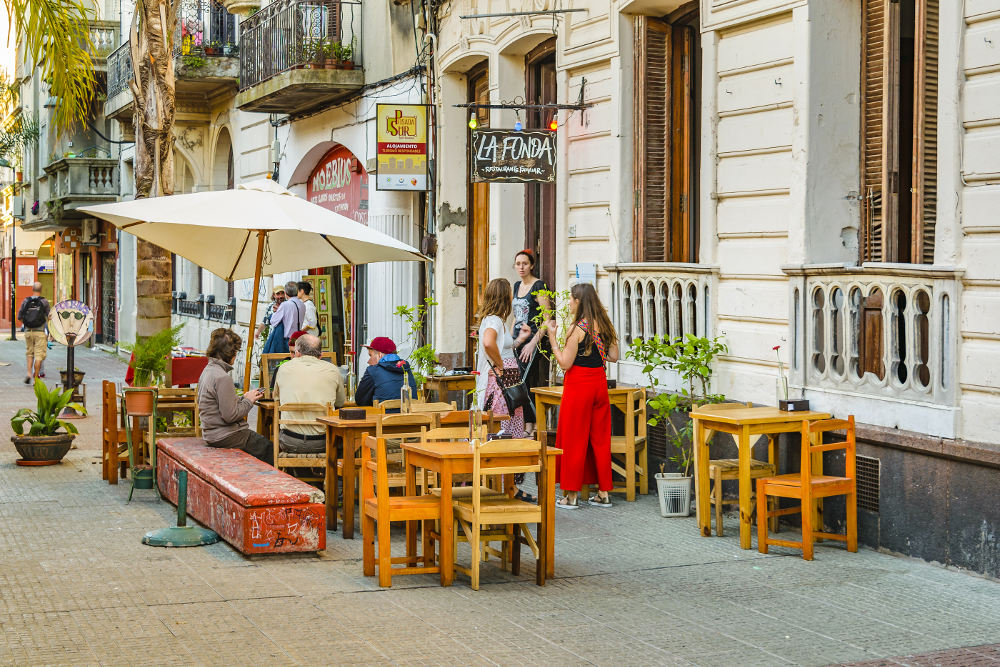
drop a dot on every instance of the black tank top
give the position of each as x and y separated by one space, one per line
584 360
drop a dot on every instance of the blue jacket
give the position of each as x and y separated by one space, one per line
384 381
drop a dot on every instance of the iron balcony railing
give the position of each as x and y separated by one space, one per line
291 34
119 70
221 312
205 28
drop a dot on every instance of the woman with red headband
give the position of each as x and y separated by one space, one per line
584 431
527 304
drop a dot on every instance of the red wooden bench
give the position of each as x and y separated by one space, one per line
253 506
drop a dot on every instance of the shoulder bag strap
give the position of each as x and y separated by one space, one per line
597 340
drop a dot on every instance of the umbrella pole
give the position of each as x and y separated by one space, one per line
261 234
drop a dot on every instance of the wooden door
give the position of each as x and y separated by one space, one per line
477 255
540 200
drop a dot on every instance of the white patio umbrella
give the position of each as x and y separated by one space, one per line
238 233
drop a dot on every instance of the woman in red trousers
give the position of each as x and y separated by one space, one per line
584 432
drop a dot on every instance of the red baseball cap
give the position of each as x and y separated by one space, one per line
383 345
295 336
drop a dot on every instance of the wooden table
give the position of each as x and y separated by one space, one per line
350 432
455 458
552 397
442 384
741 423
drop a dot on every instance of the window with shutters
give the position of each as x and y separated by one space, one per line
667 76
898 155
899 130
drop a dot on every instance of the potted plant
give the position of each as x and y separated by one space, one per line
44 444
229 49
330 50
423 358
559 310
213 48
149 366
77 377
690 357
346 56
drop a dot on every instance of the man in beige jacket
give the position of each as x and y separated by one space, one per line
307 379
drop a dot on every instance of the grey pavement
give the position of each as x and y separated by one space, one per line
78 587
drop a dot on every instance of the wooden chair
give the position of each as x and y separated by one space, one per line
721 470
628 452
459 417
290 460
484 518
379 510
449 434
170 400
114 442
416 406
809 487
269 364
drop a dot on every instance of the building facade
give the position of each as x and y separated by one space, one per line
811 175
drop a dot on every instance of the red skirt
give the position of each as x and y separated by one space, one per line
584 431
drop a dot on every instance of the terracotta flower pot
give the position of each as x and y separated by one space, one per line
139 402
42 449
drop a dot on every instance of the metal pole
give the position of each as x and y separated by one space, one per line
13 282
182 497
261 236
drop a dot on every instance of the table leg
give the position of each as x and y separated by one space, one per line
351 442
745 490
447 548
702 506
411 532
549 514
331 478
817 469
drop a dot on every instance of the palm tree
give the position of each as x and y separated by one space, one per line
56 38
153 88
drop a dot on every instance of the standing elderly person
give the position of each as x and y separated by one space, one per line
307 379
223 413
285 321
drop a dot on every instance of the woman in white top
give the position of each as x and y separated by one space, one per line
496 350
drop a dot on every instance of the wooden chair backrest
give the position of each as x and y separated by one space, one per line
316 409
483 463
268 365
418 422
177 393
450 433
814 430
418 406
374 469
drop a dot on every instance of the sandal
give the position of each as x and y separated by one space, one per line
567 505
526 497
598 501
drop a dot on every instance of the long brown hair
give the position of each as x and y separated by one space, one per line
591 309
497 299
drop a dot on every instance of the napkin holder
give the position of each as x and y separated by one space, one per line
352 413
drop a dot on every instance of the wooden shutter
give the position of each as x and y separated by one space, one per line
652 147
925 132
874 123
682 145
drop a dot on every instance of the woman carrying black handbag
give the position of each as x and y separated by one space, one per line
527 305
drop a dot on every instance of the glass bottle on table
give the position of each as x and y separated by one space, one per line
404 398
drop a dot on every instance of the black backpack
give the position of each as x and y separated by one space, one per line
34 313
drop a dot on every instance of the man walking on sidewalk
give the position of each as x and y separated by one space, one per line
34 313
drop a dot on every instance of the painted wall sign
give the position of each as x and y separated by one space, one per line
513 156
402 147
71 317
340 183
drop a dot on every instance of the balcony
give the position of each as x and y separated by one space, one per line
75 182
206 65
104 40
886 332
297 57
660 299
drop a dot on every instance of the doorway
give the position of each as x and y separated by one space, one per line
477 255
109 309
540 198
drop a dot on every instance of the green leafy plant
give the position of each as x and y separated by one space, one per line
193 62
423 359
149 361
691 357
559 310
346 52
44 419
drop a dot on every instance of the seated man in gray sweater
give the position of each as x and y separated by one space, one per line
223 413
